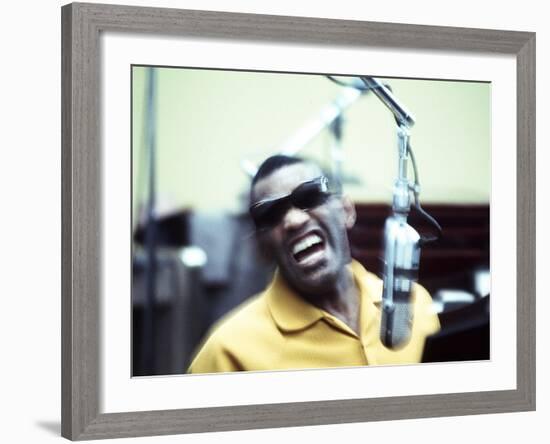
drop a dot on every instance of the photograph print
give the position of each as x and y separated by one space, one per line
295 221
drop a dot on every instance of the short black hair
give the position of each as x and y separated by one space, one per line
272 164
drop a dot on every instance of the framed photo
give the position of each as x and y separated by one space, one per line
118 60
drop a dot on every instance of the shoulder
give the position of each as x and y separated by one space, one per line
424 310
369 284
235 337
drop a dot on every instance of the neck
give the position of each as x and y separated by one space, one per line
342 300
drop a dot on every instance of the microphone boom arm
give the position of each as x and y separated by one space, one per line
402 115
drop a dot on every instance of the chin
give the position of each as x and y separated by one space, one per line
316 281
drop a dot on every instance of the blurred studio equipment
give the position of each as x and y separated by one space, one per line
330 117
189 268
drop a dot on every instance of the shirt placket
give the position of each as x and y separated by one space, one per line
343 328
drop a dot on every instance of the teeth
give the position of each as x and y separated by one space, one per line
305 243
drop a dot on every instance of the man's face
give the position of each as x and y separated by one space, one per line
310 246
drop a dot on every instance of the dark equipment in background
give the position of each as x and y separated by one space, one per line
206 265
177 314
465 335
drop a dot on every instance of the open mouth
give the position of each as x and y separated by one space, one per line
308 249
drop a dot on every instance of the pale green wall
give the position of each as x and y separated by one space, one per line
208 121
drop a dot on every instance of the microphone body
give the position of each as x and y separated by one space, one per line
401 262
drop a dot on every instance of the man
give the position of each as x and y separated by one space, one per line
322 309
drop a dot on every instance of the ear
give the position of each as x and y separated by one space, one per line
350 216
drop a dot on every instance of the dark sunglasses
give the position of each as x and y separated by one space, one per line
308 195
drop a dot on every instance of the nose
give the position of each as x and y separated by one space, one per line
295 218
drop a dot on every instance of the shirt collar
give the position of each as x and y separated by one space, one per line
291 312
369 285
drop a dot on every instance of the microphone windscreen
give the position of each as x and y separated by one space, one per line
395 328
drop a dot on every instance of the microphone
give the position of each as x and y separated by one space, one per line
401 262
401 241
401 257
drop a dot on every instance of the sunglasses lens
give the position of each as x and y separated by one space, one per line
309 196
268 214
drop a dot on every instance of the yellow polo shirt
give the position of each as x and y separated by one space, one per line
277 329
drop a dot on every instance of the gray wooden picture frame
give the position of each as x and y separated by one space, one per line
81 231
